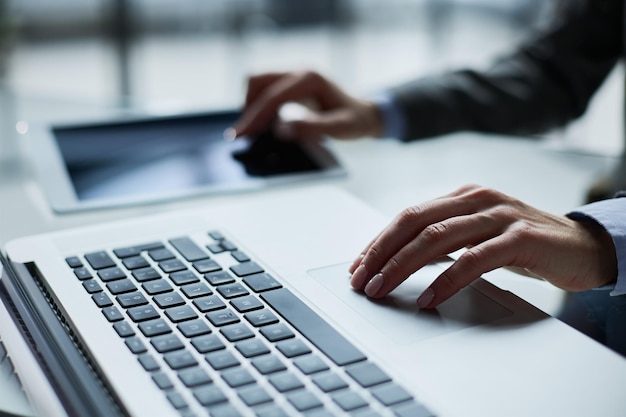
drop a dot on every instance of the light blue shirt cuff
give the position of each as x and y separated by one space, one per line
610 214
394 123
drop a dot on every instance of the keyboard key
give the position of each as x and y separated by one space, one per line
169 299
222 317
73 262
182 313
82 273
209 396
193 328
166 343
161 254
194 377
155 327
135 345
219 278
135 262
236 332
246 268
285 381
172 265
215 248
188 249
276 332
221 360
310 364
227 245
131 299
349 400
390 394
412 409
184 277
157 287
232 290
112 314
146 274
99 260
251 348
254 396
162 381
329 382
207 343
102 300
121 286
111 274
180 359
313 327
209 303
268 364
136 250
142 313
177 400
304 400
148 362
260 318
237 377
246 303
367 374
123 329
239 256
261 282
215 235
292 348
92 286
196 290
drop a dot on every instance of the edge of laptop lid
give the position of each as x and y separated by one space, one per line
77 390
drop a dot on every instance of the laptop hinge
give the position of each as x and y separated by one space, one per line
78 387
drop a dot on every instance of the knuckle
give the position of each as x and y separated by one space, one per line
434 233
408 216
472 259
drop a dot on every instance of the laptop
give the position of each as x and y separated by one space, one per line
243 308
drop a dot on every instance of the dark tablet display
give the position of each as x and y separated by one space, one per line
157 157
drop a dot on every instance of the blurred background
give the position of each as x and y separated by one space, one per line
196 54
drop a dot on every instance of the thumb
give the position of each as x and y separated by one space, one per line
315 126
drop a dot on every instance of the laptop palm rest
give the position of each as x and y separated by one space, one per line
398 316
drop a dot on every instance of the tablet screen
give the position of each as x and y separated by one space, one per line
161 156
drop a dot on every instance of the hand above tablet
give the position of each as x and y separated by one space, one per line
498 230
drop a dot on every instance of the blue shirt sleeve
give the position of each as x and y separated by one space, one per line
610 214
394 123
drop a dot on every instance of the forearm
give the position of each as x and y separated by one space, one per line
547 82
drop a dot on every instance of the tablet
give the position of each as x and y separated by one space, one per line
149 159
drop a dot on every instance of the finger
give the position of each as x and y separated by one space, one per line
264 108
258 83
434 241
405 227
338 124
359 258
476 261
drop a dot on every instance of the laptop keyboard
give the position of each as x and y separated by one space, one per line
220 336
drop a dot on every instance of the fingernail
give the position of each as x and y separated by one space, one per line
426 298
356 263
359 278
230 134
285 130
375 284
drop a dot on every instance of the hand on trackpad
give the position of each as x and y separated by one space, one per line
398 315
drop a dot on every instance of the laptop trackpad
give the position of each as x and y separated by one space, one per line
398 316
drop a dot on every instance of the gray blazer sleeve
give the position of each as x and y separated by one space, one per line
545 83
